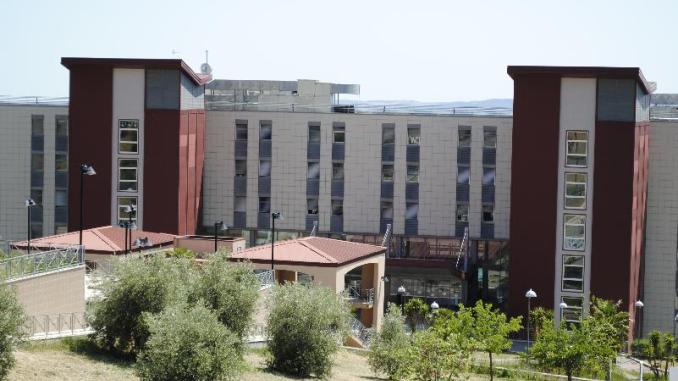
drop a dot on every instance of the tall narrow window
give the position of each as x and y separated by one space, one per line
337 171
573 312
122 203
241 131
240 204
463 175
488 175
337 207
412 173
312 206
573 273
575 190
127 180
577 148
241 168
264 204
490 137
264 168
413 135
313 172
488 214
265 131
388 135
61 162
387 172
462 213
387 210
574 232
129 136
339 134
411 210
314 134
464 136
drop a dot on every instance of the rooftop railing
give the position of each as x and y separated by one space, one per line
28 265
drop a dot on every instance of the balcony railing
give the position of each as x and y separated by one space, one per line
52 260
357 295
265 278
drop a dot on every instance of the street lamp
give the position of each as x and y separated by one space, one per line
218 226
639 306
675 320
401 297
130 210
85 170
30 203
274 216
434 308
529 295
562 306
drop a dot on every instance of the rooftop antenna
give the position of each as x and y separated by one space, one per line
175 52
205 68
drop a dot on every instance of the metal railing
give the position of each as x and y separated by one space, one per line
360 332
29 265
357 295
56 325
265 278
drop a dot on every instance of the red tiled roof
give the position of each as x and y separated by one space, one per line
312 251
102 240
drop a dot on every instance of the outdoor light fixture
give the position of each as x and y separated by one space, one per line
434 306
385 278
563 305
529 295
639 306
129 225
140 243
85 170
274 216
218 226
30 203
401 295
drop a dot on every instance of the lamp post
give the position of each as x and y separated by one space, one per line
274 216
130 210
639 306
529 295
141 243
675 320
401 297
434 308
562 306
218 226
30 203
85 169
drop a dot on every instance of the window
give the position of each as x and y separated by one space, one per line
241 168
411 210
387 172
61 162
387 210
575 230
264 168
488 175
573 273
241 131
488 214
313 172
127 180
463 175
122 203
313 134
37 162
575 190
462 213
413 135
36 195
573 312
388 135
129 136
464 136
37 125
240 204
490 137
264 204
312 206
60 198
412 173
577 148
265 131
339 134
60 229
61 125
337 207
338 171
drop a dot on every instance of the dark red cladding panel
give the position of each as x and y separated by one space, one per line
90 114
161 171
534 189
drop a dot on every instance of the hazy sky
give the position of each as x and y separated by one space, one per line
421 50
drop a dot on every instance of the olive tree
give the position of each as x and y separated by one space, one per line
391 347
491 330
11 328
416 311
561 348
188 344
306 325
137 286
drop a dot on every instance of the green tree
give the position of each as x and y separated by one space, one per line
12 319
538 318
229 289
390 351
306 325
435 358
610 312
416 311
491 330
658 349
180 252
561 349
188 344
137 286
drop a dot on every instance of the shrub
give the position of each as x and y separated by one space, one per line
229 289
180 252
416 311
435 358
390 351
492 329
11 328
137 286
188 344
306 325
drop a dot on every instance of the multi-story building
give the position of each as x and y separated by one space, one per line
480 206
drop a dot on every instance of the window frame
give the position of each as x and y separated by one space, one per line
121 206
309 200
457 215
487 169
261 130
308 170
566 246
383 134
468 181
575 155
240 127
572 308
262 198
235 204
490 131
409 205
270 167
339 202
386 205
412 179
464 130
136 175
122 127
314 128
565 193
417 139
482 213
235 164
383 180
564 278
339 130
338 165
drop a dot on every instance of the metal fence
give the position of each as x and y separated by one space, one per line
360 332
28 265
56 325
265 278
358 295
